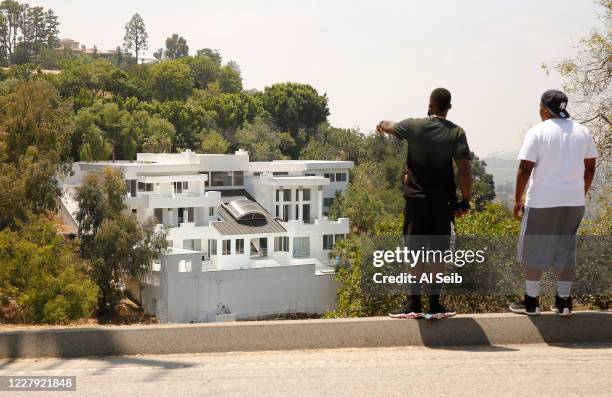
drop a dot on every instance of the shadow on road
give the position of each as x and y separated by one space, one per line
464 334
594 328
99 343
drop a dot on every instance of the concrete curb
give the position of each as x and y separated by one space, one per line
482 329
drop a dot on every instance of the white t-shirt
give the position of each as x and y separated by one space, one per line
558 147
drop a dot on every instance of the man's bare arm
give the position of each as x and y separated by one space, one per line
464 174
386 127
522 177
589 173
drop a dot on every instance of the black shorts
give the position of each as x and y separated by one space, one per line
427 223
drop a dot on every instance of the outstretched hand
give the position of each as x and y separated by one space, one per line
385 127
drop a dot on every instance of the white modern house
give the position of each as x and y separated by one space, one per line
245 238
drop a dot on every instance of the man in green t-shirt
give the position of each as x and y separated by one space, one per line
430 191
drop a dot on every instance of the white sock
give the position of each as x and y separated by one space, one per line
532 288
564 288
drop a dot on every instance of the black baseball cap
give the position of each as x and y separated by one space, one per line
556 102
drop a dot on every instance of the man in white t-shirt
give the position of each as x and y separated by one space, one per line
558 160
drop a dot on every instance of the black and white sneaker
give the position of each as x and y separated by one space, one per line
438 311
562 306
529 306
411 310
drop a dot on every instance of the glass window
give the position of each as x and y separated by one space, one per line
338 237
327 202
286 212
159 214
306 213
310 174
330 176
192 244
145 187
221 178
211 211
328 241
238 178
226 247
280 173
276 214
130 185
281 244
180 187
301 247
305 194
212 247
287 195
240 246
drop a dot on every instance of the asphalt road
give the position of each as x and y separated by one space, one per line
525 370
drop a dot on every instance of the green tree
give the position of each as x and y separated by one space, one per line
87 80
205 71
261 139
214 55
11 11
365 202
483 186
213 142
171 79
189 119
136 36
158 54
117 245
95 146
25 32
295 107
233 110
176 47
51 29
160 135
329 143
116 126
587 80
35 127
13 206
41 273
35 115
230 79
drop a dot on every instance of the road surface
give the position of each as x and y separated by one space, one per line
526 370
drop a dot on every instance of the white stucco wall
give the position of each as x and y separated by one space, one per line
184 297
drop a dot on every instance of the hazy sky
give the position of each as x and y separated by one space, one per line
375 59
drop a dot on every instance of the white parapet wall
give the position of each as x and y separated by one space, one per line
180 296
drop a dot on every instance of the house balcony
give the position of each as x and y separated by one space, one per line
176 200
317 227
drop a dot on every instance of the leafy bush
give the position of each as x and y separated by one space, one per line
494 225
40 271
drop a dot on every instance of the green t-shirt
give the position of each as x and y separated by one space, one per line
433 143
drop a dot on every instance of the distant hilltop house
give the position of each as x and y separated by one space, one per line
251 238
82 48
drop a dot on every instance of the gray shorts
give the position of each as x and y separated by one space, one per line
548 237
